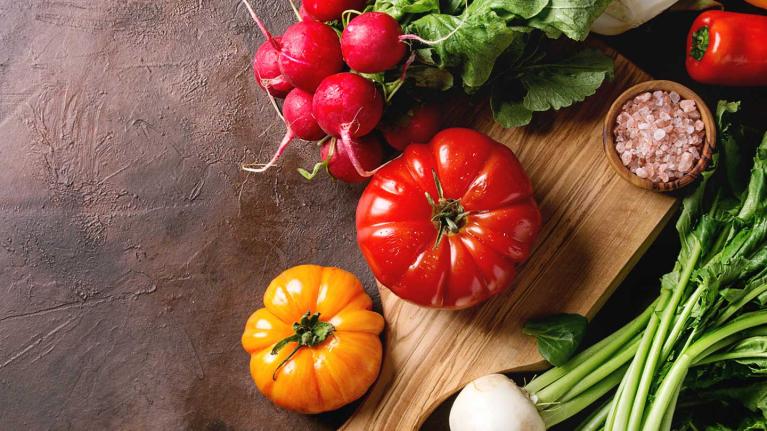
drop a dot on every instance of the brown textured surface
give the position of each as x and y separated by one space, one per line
132 250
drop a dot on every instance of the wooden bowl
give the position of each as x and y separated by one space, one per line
608 136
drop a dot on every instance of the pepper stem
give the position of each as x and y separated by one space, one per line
700 41
309 332
448 215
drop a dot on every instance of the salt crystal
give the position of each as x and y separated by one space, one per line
659 136
685 162
687 105
626 158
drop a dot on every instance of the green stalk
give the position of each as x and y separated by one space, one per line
681 321
603 371
654 357
611 414
730 356
734 308
596 421
561 412
715 348
619 414
594 364
586 359
668 420
678 371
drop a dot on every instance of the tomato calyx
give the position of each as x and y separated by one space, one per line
447 215
309 332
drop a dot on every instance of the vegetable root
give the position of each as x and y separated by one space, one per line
300 123
309 51
340 157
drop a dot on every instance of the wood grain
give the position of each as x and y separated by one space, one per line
596 226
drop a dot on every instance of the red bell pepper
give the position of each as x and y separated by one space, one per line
728 48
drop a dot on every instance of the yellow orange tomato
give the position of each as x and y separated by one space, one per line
315 346
758 3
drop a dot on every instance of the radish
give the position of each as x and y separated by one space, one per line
329 10
302 14
419 125
371 43
266 69
348 106
309 51
299 121
367 150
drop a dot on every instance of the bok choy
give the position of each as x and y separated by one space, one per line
708 324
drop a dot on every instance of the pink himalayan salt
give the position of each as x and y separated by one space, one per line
659 135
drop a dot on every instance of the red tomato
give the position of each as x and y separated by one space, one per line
446 224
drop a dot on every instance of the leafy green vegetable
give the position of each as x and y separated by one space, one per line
430 77
399 8
471 42
482 41
558 336
571 17
703 343
550 86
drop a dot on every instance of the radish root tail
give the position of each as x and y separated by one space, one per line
258 168
261 26
295 10
272 100
347 148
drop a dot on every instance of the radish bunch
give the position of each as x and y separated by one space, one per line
326 97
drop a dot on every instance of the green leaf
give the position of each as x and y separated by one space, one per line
571 17
729 137
470 42
399 8
430 77
548 86
452 7
557 336
509 114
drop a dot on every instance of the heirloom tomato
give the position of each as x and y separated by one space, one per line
447 223
315 346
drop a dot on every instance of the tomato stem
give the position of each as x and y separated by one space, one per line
448 215
309 332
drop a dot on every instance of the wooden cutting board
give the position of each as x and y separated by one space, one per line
596 226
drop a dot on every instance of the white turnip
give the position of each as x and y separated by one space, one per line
494 403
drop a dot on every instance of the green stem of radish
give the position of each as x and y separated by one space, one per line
566 410
591 358
675 377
